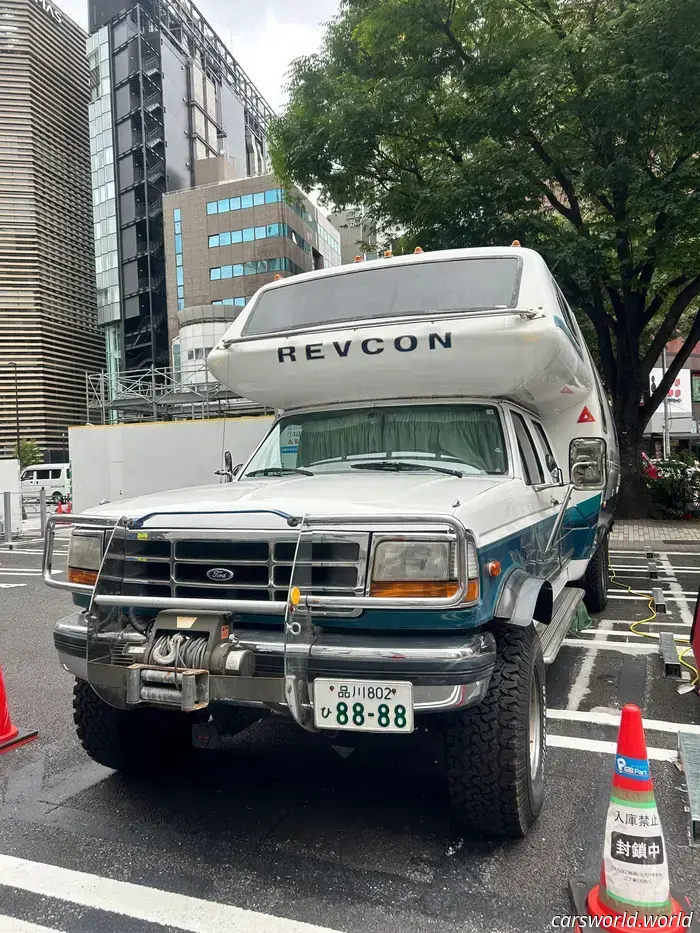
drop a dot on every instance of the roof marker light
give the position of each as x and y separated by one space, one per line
515 243
388 254
359 258
277 277
418 249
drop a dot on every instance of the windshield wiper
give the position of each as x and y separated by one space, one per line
398 465
277 471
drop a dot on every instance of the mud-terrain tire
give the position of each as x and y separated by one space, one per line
597 579
132 741
496 751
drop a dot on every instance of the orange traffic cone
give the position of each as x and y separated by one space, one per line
633 892
10 736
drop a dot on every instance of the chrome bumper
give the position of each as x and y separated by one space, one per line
447 671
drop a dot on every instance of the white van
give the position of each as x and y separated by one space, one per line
55 478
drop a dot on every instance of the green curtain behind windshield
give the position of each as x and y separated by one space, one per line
471 434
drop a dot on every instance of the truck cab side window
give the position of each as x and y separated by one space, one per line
528 454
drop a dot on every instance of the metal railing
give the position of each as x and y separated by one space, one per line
160 394
439 524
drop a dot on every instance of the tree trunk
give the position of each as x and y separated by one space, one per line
633 499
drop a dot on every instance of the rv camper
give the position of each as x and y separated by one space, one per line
407 546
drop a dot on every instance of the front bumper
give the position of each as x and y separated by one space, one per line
447 671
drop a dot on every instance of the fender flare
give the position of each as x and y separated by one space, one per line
524 598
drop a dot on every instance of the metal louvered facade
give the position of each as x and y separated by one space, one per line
49 337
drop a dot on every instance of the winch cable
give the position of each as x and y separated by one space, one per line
649 619
181 651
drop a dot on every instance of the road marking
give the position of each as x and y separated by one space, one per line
10 586
590 644
611 636
677 590
666 593
613 719
12 925
581 687
607 748
25 573
629 622
143 903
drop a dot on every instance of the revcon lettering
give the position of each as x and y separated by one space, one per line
370 346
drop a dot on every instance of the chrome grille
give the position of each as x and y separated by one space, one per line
164 564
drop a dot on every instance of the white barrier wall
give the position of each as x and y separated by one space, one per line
9 482
124 460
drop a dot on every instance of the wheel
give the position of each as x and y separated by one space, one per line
597 578
496 750
132 741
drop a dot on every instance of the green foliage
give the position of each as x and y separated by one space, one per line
29 453
677 490
571 125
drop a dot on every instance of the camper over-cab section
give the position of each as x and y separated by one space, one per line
475 322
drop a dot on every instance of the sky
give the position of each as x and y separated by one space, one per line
264 35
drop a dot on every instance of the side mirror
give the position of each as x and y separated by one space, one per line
587 462
554 471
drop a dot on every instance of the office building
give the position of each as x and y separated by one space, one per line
166 92
358 236
48 330
224 239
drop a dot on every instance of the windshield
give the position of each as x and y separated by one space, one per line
450 439
411 288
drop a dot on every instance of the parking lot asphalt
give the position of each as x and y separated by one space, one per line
277 829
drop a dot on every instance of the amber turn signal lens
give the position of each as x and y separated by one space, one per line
493 568
87 577
412 588
295 596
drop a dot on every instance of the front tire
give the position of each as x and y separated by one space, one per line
496 750
132 741
597 579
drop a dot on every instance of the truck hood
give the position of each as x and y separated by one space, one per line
240 504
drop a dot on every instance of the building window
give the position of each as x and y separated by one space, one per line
179 265
256 267
248 234
271 196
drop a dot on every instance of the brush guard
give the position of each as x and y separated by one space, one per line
121 624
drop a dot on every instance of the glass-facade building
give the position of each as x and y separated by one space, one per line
165 94
49 337
226 240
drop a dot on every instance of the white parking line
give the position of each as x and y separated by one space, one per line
607 748
678 592
581 687
142 903
628 622
589 644
613 719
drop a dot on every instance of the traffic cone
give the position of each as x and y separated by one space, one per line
633 892
10 736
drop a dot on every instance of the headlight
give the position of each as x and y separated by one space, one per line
421 569
413 560
84 556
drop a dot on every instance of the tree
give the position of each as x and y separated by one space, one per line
571 125
29 453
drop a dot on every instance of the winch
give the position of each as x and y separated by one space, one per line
182 652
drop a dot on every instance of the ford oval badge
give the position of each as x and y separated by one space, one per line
220 574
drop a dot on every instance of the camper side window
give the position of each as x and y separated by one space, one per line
567 314
528 453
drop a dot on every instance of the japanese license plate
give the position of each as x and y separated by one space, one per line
363 705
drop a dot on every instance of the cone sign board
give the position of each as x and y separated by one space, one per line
634 891
585 417
635 869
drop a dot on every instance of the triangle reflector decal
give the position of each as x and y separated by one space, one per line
585 417
566 391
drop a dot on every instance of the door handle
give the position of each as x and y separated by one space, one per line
554 502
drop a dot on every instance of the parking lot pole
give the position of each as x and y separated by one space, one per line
7 516
42 510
